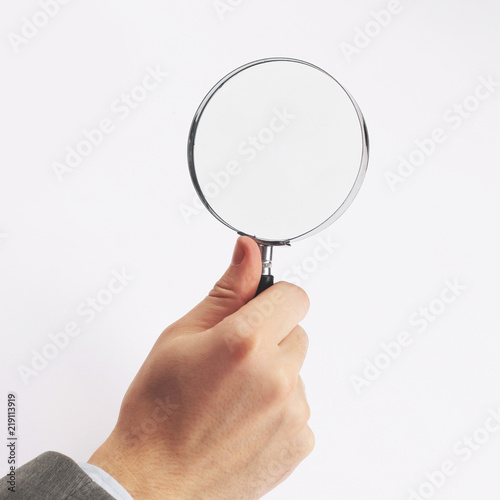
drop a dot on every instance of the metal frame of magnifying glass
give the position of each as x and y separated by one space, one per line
266 245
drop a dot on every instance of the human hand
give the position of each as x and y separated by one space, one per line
218 409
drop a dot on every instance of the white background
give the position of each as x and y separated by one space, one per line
120 208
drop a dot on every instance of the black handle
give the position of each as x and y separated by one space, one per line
266 281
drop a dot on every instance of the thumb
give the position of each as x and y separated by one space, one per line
236 287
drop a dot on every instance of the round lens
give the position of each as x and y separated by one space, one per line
278 149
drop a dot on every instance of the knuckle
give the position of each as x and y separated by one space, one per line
308 441
280 387
239 338
245 346
297 295
302 446
302 337
305 413
298 415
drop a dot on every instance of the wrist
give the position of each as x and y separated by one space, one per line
143 474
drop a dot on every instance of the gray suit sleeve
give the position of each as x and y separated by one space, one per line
52 476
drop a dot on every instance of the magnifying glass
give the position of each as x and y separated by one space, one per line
277 151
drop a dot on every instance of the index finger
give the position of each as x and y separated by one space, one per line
273 314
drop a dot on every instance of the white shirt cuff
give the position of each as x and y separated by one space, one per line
105 481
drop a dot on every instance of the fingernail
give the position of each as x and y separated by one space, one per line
238 254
